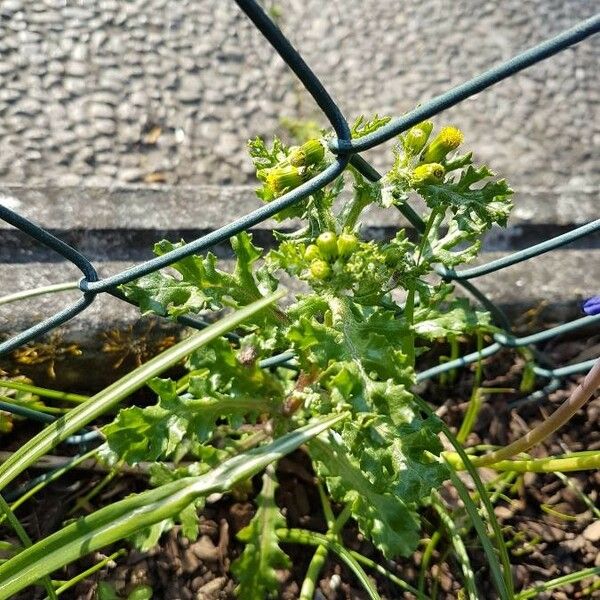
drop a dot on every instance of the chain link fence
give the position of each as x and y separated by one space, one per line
347 152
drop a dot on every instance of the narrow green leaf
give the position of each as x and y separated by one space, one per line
123 518
103 401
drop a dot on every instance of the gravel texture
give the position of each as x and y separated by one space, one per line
98 92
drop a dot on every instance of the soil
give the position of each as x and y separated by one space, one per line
549 529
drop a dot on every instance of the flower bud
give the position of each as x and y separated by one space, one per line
312 253
327 243
416 137
426 174
310 153
392 257
320 270
283 178
448 139
346 244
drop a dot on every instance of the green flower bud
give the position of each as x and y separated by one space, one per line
312 253
283 178
416 137
392 256
448 139
310 153
429 173
320 270
327 243
346 244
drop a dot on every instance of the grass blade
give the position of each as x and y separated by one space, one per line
123 518
103 401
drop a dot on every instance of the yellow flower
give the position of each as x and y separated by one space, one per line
448 139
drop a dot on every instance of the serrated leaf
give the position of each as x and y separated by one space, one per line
201 285
179 424
474 206
381 516
256 568
405 456
363 126
368 338
164 295
457 317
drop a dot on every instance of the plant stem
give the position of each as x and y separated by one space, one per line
502 576
458 544
25 540
535 591
40 391
549 464
426 559
359 202
575 461
320 556
584 497
557 419
84 574
409 306
473 408
49 478
47 289
302 536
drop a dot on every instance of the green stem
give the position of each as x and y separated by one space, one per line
327 510
83 502
427 554
574 461
536 590
350 557
359 202
326 219
557 419
317 562
475 402
49 479
458 544
409 306
502 576
584 497
310 538
549 464
25 540
47 289
85 574
40 391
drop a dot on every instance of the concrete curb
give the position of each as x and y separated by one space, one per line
116 227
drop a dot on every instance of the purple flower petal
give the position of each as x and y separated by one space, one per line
592 306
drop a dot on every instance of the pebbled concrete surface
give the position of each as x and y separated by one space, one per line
100 92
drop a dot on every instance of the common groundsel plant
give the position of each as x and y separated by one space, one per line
369 309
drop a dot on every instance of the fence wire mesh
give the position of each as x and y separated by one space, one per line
347 152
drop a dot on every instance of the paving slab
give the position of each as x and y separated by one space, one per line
98 93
